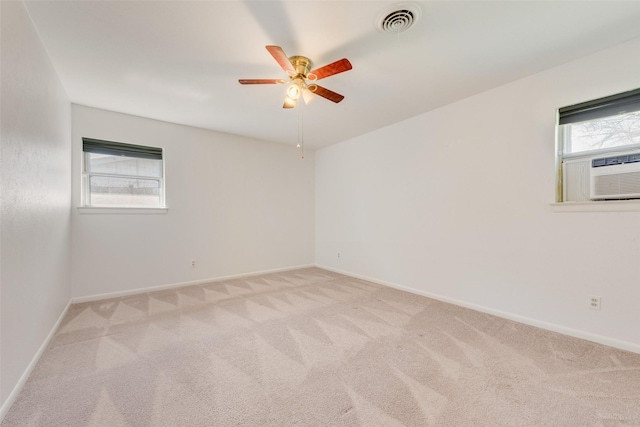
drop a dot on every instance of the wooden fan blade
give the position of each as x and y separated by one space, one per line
282 59
289 102
326 93
329 70
261 81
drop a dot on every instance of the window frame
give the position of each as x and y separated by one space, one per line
600 108
126 150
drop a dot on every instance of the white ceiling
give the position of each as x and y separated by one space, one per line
180 61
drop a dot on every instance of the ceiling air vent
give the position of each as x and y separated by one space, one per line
398 18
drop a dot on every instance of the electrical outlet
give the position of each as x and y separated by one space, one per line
193 263
338 254
594 302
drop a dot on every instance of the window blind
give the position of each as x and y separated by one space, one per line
598 108
90 145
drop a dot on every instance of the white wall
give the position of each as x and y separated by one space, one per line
236 206
456 203
35 187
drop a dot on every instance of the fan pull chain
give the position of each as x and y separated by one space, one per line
301 132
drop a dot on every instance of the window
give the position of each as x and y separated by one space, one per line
602 128
122 175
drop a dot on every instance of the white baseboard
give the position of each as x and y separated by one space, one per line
23 379
98 297
600 339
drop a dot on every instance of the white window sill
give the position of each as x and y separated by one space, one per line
601 206
119 211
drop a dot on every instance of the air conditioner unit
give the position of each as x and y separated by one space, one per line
615 177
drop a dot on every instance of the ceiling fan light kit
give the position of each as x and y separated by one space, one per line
294 90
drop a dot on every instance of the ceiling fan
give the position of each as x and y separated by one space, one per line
298 68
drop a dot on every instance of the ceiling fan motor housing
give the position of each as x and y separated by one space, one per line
302 65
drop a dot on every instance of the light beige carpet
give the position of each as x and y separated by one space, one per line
314 348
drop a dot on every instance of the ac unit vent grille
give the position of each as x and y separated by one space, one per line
617 184
576 180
